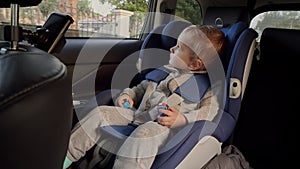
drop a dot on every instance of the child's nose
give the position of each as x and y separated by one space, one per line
172 49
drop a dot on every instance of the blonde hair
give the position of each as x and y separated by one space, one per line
204 40
215 35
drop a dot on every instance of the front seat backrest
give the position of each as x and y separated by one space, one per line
35 103
35 110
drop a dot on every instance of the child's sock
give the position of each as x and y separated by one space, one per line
67 163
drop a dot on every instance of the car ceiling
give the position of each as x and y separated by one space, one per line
254 5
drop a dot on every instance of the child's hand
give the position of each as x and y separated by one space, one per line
172 119
123 98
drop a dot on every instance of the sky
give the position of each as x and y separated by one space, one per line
103 9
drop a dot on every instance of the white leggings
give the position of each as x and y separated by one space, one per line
139 149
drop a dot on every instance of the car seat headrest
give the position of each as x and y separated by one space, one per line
22 3
225 16
155 48
171 32
232 34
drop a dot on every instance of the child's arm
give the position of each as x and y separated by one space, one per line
208 109
171 118
134 94
124 101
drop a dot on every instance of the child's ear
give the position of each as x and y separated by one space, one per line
197 64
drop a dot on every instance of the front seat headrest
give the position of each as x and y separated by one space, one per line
22 3
228 15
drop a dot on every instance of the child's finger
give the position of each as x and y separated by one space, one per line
166 112
130 102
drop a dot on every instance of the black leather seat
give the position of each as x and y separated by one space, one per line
35 107
267 114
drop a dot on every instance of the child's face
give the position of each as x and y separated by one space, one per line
182 57
184 54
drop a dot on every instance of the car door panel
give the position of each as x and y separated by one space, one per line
92 62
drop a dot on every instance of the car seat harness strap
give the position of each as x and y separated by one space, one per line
200 82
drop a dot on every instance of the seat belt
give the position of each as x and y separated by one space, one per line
199 81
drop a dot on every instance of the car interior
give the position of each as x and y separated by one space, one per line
51 81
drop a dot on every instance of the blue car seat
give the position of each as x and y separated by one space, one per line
185 154
199 142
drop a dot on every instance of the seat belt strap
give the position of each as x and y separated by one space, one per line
158 74
192 90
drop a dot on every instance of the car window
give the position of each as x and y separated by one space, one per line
188 10
99 18
276 19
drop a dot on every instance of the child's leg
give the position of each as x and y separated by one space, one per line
140 149
86 134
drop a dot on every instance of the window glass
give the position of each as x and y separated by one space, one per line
188 10
100 18
276 19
